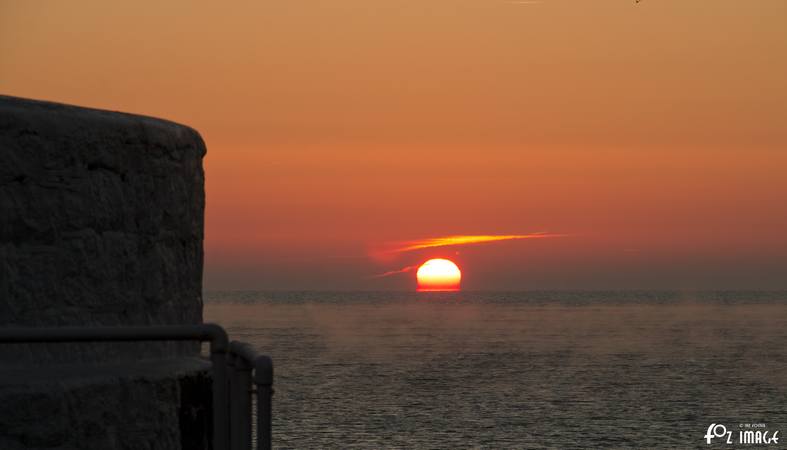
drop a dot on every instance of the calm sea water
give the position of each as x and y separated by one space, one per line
516 370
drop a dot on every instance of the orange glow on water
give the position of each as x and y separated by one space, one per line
438 275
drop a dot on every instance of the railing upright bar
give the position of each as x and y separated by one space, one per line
244 406
263 378
243 403
220 400
232 377
240 389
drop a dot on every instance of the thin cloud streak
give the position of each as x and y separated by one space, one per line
446 241
394 272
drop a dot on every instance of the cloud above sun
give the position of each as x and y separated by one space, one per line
455 240
388 251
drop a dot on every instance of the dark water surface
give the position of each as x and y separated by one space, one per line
516 370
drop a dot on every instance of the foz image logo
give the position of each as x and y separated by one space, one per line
717 430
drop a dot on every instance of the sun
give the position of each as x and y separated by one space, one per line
438 275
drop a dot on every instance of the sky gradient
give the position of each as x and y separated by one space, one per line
650 138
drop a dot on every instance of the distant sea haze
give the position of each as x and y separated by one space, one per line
646 369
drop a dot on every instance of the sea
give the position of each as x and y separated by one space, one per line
498 370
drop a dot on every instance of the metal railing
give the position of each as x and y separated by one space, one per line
232 366
242 360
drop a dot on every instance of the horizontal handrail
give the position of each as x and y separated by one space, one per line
213 333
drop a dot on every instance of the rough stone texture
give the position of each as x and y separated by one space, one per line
101 223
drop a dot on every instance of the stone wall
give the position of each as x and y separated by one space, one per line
101 223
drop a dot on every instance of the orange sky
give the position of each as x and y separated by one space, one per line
653 136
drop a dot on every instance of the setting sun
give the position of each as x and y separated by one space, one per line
438 275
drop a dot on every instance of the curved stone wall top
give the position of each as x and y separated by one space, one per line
101 223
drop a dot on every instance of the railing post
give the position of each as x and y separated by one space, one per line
242 405
263 378
232 383
218 357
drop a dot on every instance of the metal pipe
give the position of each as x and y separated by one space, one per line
212 333
243 404
232 375
220 400
205 332
241 426
263 378
219 343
